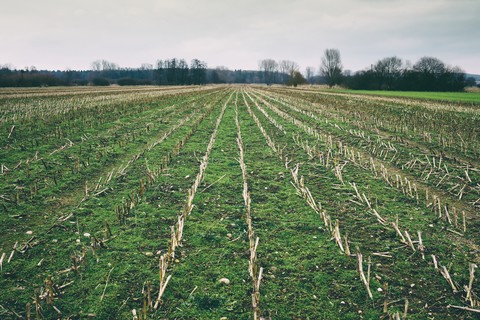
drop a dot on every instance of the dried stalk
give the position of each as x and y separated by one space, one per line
421 247
256 296
465 308
409 240
435 262
405 310
362 274
106 284
347 247
337 237
380 219
447 277
1 261
163 280
397 229
469 297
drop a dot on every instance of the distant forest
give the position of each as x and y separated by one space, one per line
428 74
103 73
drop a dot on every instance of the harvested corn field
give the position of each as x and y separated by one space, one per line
244 202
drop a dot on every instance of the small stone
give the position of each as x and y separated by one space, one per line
379 289
29 232
229 235
86 234
224 281
223 318
149 254
177 261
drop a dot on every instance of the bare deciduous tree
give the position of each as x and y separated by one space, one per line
96 65
287 70
146 66
282 68
103 65
429 65
309 74
292 68
331 67
432 74
387 71
268 67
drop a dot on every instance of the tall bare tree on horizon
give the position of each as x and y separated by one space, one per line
331 67
287 69
268 67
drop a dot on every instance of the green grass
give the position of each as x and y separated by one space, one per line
463 97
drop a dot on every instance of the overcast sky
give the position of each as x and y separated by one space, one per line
60 34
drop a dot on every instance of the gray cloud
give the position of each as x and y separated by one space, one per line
57 34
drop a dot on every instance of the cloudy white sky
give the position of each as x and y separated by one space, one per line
60 34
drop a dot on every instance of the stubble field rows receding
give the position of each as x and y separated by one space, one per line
237 202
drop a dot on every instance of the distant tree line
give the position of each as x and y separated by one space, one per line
284 72
29 77
177 72
103 73
391 73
